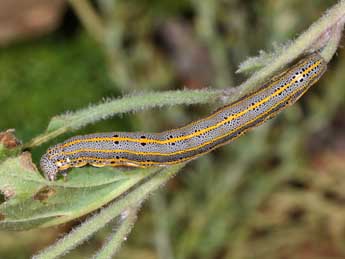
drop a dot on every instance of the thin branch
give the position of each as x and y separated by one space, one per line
72 121
89 18
312 39
114 242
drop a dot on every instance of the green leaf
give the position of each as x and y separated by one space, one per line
32 201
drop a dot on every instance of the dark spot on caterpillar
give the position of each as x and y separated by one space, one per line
143 144
115 136
112 162
116 142
142 137
117 157
173 143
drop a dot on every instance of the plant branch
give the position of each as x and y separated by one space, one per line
114 242
73 121
314 38
89 18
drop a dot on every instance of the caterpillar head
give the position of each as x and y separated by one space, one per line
53 162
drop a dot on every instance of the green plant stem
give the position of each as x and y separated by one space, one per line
114 242
314 38
89 18
64 123
206 25
333 43
161 223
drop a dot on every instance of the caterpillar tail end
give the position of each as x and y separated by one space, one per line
50 170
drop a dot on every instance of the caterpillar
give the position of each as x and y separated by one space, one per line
138 149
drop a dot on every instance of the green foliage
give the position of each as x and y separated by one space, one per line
50 203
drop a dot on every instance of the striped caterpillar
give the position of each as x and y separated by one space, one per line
137 149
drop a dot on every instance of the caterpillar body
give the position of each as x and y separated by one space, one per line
138 149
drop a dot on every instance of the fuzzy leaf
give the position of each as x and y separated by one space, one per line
32 201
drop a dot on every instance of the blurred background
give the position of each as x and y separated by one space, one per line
278 192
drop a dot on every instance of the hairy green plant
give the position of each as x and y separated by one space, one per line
114 196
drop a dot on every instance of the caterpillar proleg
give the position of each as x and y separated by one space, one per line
138 149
